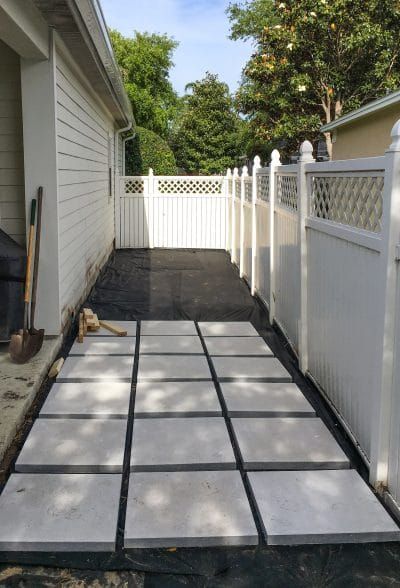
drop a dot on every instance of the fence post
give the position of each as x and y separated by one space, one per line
245 174
234 220
149 206
390 238
227 195
306 156
275 161
254 255
117 210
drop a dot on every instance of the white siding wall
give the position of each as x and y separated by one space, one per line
12 201
85 149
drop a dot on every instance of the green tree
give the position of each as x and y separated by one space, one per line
206 135
314 60
147 149
145 62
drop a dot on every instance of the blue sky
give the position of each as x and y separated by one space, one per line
201 27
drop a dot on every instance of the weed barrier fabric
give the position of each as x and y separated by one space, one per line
203 285
165 284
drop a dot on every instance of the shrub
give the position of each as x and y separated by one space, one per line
146 150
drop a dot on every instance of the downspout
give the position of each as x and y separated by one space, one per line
124 141
117 134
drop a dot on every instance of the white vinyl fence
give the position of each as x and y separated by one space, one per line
325 262
172 211
319 244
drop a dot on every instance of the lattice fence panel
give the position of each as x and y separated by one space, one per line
189 186
287 191
238 187
248 189
350 200
134 186
263 187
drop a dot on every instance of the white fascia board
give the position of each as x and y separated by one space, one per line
23 28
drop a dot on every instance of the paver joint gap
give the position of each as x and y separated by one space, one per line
232 438
128 448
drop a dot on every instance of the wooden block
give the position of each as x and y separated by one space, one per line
93 323
81 328
88 313
56 367
114 329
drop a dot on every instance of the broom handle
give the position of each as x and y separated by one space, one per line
36 258
30 252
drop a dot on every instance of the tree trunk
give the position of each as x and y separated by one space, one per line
328 139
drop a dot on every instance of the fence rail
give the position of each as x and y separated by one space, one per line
319 243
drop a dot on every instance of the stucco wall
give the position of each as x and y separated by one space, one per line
366 137
12 203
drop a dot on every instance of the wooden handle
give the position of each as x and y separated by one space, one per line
114 329
30 252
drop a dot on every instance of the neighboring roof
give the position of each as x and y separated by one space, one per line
82 27
370 108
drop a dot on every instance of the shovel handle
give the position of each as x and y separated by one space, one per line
30 251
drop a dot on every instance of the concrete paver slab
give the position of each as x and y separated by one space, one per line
188 509
287 443
181 444
176 399
333 506
104 346
97 368
265 399
267 369
74 446
237 346
227 329
128 326
173 367
88 400
59 512
153 344
168 328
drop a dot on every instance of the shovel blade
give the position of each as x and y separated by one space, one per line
23 346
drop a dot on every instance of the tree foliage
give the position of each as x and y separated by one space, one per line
314 60
145 61
206 136
146 150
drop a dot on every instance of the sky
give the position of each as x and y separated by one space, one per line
200 26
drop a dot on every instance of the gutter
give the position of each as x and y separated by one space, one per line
116 138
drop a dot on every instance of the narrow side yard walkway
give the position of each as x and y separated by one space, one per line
191 433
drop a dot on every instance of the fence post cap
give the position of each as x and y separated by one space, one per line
229 172
395 134
151 171
236 171
306 151
275 156
257 161
245 170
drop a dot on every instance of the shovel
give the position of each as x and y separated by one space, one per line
25 344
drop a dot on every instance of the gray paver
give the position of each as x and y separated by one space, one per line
173 344
319 507
97 368
181 444
87 400
104 346
129 326
227 329
188 509
287 443
265 399
74 446
237 346
59 512
176 399
267 369
173 367
168 328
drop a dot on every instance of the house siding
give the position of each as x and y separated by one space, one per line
85 150
12 193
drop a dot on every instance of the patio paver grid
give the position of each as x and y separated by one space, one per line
208 398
